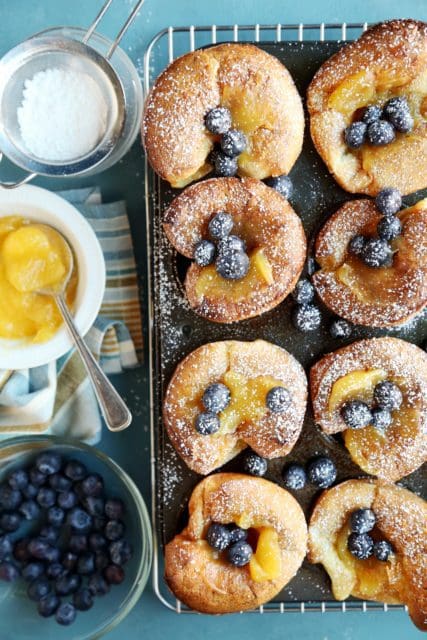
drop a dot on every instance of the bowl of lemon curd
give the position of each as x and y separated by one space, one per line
32 258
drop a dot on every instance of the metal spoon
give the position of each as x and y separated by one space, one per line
115 412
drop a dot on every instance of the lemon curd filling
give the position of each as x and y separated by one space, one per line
31 258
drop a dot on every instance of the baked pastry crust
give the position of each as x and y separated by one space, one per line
401 517
272 436
389 59
263 218
403 448
209 585
255 86
387 298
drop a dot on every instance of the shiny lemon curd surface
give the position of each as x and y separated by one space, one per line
356 385
32 257
266 563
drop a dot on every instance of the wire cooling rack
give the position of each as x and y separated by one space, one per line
167 45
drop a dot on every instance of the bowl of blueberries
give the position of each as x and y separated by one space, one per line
75 540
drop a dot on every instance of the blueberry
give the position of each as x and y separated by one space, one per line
254 464
233 143
218 120
380 133
114 508
46 497
10 521
97 541
98 586
233 265
355 134
78 543
10 499
55 516
59 482
93 485
207 423
294 477
362 520
83 599
38 588
65 614
360 545
303 292
114 530
49 534
47 605
376 253
94 506
54 570
5 546
20 550
382 550
387 395
381 418
218 536
396 110
114 574
282 184
99 523
236 533
102 560
48 463
67 584
67 500
356 414
33 570
38 548
204 253
389 201
80 520
18 479
8 572
231 244
389 228
220 225
322 472
225 166
278 399
69 560
371 114
30 491
341 329
356 245
306 317
75 470
120 551
37 477
29 509
239 553
216 397
402 122
86 564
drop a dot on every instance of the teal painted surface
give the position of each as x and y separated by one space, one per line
18 20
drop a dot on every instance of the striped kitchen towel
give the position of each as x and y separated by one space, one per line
58 398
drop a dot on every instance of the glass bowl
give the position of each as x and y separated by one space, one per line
18 614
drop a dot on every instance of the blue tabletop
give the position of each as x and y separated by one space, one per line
21 18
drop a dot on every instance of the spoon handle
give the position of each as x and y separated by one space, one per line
115 412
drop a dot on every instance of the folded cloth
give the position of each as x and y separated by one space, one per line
58 398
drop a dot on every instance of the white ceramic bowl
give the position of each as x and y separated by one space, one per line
44 206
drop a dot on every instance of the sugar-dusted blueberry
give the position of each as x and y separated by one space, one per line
233 143
67 583
207 423
10 521
371 114
102 560
355 134
218 120
10 499
362 520
93 485
54 570
294 477
6 546
225 167
376 253
37 478
86 564
303 292
240 553
220 225
55 516
48 462
8 571
278 399
59 482
46 497
341 329
97 541
75 470
114 574
98 585
38 588
94 505
322 472
306 317
381 418
80 520
236 533
33 570
216 397
83 599
18 479
231 243
254 464
389 201
382 550
380 133
20 550
114 530
397 111
47 605
114 508
49 533
120 551
282 184
356 414
389 228
388 395
78 543
403 122
218 536
65 614
356 245
204 253
360 545
67 500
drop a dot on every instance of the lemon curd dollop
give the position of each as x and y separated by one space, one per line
32 257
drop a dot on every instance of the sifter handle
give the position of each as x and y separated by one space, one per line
122 31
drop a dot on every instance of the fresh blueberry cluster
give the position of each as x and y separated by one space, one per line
228 251
387 398
233 540
377 252
215 399
321 471
77 547
232 142
360 544
306 316
378 125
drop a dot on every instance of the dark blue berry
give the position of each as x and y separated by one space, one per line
65 614
360 545
114 574
47 605
18 479
78 543
403 122
306 317
97 541
10 499
20 550
67 500
303 292
59 482
33 570
46 497
356 245
207 423
218 120
389 228
102 560
389 201
93 485
10 521
233 143
48 463
231 244
80 520
8 572
371 114
355 134
396 110
38 547
356 414
67 584
83 599
94 505
75 470
218 536
98 585
294 477
239 553
99 523
37 478
30 491
382 550
69 560
387 395
204 253
114 530
86 564
52 554
120 551
225 167
54 570
380 133
376 253
114 508
254 464
55 516
49 534
362 520
216 397
220 225
236 533
38 588
381 418
282 184
233 265
340 329
322 472
278 399
5 546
